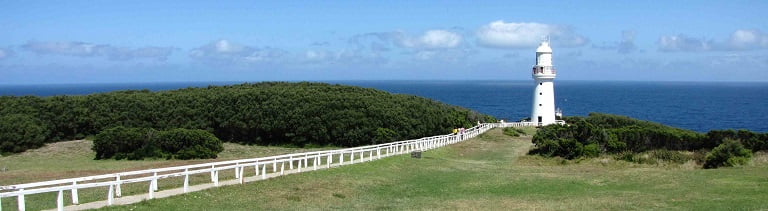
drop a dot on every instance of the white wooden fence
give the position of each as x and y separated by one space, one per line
307 161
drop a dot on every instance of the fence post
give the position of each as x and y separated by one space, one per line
264 171
341 158
256 168
242 179
154 186
290 158
215 176
111 195
237 170
75 199
212 179
327 161
151 192
274 165
352 157
60 201
118 190
316 162
186 180
282 168
306 156
20 201
378 152
299 169
370 154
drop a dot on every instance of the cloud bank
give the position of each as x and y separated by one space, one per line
83 49
225 51
500 34
739 40
432 39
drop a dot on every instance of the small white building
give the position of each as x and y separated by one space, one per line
543 108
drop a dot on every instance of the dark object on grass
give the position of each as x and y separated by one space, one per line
416 154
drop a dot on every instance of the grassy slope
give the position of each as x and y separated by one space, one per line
74 158
490 172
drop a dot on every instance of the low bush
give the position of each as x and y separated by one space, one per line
139 143
750 140
514 132
189 144
620 135
20 132
654 157
729 153
126 143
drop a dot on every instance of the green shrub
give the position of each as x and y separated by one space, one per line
751 140
670 156
139 143
20 132
514 132
591 150
625 156
189 144
617 134
125 143
729 153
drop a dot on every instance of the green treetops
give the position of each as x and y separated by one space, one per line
269 113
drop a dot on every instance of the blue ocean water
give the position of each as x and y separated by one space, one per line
699 106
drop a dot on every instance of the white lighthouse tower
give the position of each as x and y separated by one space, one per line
543 108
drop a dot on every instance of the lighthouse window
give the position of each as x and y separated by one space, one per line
539 93
539 104
541 83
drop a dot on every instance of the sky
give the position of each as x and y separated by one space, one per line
55 42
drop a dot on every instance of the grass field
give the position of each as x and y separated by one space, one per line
75 158
490 172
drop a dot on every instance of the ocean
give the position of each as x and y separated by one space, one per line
698 106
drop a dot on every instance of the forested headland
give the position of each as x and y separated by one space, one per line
268 113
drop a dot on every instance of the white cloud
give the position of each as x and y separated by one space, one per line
683 43
747 39
83 49
500 34
432 39
230 52
739 40
344 56
373 47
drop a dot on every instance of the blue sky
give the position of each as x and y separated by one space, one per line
45 42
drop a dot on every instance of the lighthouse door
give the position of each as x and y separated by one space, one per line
539 120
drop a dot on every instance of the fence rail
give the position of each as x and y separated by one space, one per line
306 161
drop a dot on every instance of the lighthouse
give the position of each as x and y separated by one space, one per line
543 108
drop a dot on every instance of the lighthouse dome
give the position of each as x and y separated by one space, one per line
544 48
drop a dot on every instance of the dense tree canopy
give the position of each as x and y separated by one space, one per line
269 113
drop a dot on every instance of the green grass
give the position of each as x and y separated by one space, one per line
75 158
490 172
